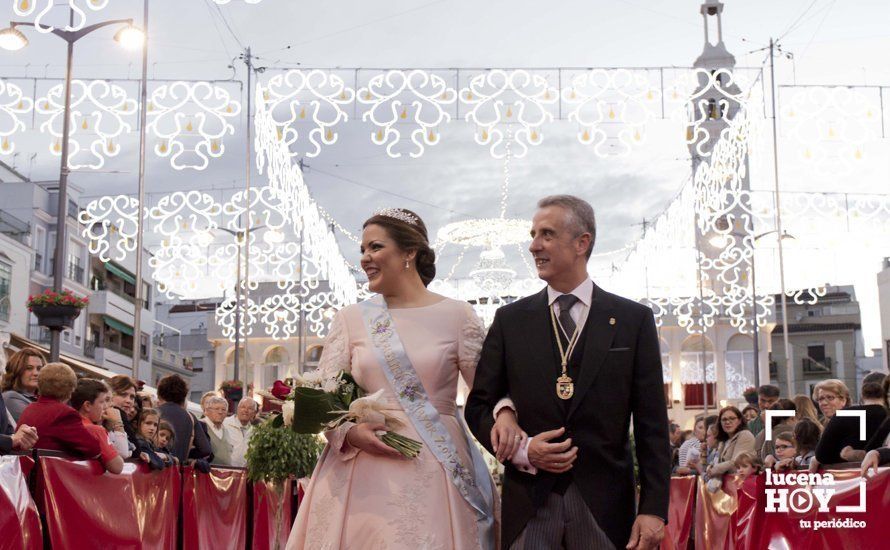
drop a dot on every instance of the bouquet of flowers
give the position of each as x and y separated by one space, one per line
316 403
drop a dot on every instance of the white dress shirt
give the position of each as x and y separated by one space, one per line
238 436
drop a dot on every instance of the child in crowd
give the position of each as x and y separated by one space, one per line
747 465
146 430
92 399
164 437
806 438
785 451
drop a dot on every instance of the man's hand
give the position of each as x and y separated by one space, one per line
646 533
24 438
506 435
872 460
555 458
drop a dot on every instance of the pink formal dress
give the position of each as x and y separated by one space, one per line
359 501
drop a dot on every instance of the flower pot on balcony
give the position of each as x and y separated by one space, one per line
56 317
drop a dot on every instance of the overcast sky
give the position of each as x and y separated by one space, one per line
833 42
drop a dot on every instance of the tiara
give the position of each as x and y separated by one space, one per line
397 213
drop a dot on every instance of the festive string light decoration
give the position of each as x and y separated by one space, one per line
100 114
13 106
310 103
25 8
831 127
416 100
111 226
189 120
498 99
612 108
318 242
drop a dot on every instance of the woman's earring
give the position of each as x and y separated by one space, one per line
407 266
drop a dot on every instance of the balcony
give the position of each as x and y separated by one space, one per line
811 366
114 305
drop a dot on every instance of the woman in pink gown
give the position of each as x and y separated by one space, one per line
362 494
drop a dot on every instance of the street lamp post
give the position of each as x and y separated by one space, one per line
13 39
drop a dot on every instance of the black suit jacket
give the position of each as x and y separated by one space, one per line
620 378
5 429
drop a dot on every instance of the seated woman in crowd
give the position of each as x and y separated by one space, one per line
92 400
749 413
735 438
164 440
841 440
747 465
147 427
765 447
19 384
691 450
59 427
785 451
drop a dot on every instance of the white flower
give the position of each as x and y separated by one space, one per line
331 385
287 411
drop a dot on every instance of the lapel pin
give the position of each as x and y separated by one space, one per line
611 320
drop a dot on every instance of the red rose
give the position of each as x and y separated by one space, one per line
280 390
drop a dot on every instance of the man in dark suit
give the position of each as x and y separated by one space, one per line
14 440
577 364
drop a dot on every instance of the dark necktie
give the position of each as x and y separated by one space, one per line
566 301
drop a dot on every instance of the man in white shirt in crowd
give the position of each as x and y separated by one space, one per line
239 427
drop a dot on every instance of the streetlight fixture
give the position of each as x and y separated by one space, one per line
13 39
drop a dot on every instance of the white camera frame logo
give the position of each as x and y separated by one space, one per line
797 496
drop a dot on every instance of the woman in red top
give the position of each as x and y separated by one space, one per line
59 427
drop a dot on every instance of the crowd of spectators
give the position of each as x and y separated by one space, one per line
45 406
806 432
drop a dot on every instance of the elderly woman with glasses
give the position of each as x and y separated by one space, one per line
841 441
735 438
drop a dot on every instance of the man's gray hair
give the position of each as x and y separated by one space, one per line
256 406
216 400
581 217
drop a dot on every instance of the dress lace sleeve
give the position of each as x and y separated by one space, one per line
336 357
336 353
470 345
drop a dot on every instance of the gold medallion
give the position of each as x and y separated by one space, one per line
565 388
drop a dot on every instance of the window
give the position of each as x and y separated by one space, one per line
39 247
66 336
698 372
5 283
143 346
146 296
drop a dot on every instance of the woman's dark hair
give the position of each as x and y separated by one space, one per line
16 366
173 389
806 435
723 435
782 405
87 391
121 383
409 236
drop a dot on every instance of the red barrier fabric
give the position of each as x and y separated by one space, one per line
214 509
86 507
271 514
737 517
19 522
682 504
